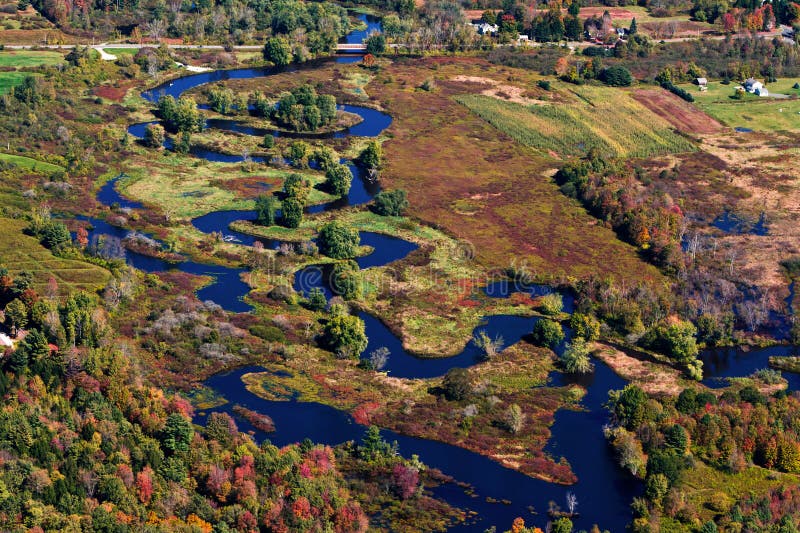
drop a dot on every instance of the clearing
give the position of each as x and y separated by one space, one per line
20 252
28 163
467 178
29 58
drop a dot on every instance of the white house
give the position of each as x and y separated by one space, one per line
484 28
753 86
6 341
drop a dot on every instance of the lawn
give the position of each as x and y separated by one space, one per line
20 252
31 164
598 117
754 112
29 58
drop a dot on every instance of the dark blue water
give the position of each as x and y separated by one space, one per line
504 288
108 195
604 492
227 288
357 37
743 130
732 223
735 362
402 364
386 249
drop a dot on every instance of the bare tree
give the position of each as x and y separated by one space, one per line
378 358
572 502
490 346
155 28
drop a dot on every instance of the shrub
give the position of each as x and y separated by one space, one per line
154 135
543 84
345 334
390 203
551 304
267 333
457 384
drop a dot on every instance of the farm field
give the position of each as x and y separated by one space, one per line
607 119
476 184
754 112
20 252
682 115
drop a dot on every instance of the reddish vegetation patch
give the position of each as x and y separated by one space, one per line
110 93
680 113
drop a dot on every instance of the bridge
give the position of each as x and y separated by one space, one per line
351 48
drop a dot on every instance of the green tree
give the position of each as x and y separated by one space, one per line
628 406
345 334
656 487
551 304
338 179
548 333
617 76
292 213
562 525
375 43
154 135
373 445
345 280
514 418
390 203
457 384
316 299
177 433
16 314
634 28
338 241
371 155
585 326
676 437
266 210
278 51
575 358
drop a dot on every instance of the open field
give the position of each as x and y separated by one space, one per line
121 51
30 164
20 252
184 189
469 179
606 119
754 112
682 115
29 58
9 80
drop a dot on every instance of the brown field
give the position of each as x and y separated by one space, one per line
678 112
481 186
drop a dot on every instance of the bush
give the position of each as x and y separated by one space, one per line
292 213
154 135
338 179
345 335
543 84
674 89
551 304
457 384
267 333
390 203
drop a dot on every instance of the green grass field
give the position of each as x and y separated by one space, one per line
121 51
20 252
9 80
29 58
30 164
754 112
597 117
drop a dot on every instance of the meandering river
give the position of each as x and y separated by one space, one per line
604 491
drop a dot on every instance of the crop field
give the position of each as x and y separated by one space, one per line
28 163
681 114
754 112
29 58
603 118
20 252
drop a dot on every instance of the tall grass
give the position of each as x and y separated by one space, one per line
603 118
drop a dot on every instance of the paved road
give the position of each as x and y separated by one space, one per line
133 46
